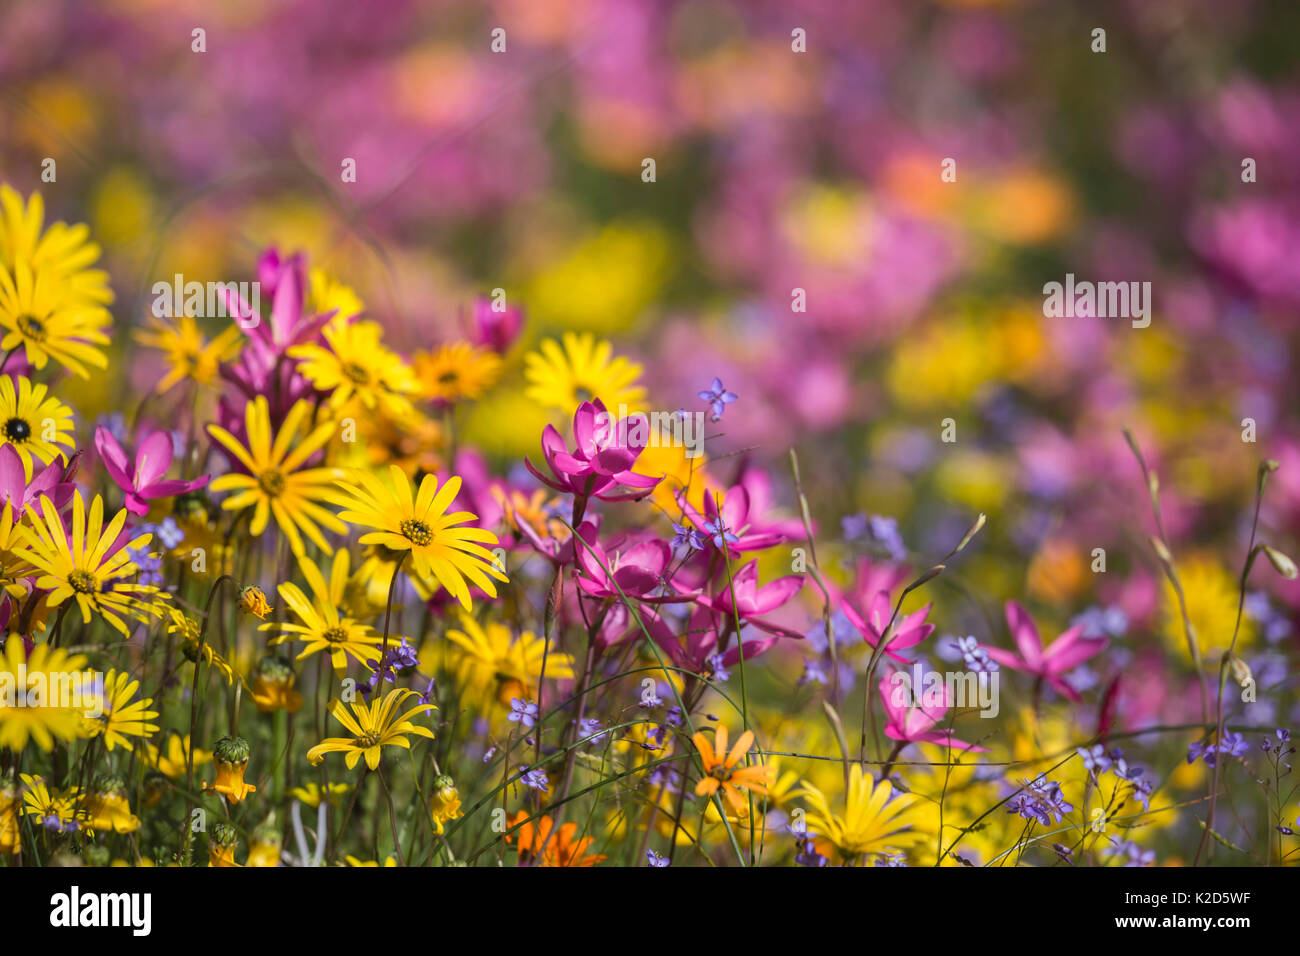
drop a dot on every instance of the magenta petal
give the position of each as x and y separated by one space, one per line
771 596
13 480
1025 633
1008 659
1075 653
153 459
114 458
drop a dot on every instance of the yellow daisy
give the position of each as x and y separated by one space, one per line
172 763
320 625
40 718
52 810
871 823
456 371
356 364
37 426
63 252
489 661
38 314
88 564
119 716
372 726
276 483
190 355
419 523
582 370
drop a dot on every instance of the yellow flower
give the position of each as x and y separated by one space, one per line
189 354
582 370
79 565
223 839
252 600
10 810
419 523
40 718
276 483
356 364
320 625
354 861
372 727
311 794
1211 594
189 631
722 770
107 809
63 252
38 314
264 852
272 688
872 822
490 661
172 763
55 811
231 758
444 805
35 425
456 371
121 717
327 294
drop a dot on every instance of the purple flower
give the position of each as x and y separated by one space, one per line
589 729
537 780
718 398
719 672
684 536
1094 759
853 526
655 860
601 461
522 712
1040 800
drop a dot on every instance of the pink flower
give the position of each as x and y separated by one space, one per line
54 482
908 631
737 519
496 330
600 463
636 572
752 601
912 712
697 646
1066 652
148 479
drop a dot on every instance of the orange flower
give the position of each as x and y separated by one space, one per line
560 849
721 770
231 758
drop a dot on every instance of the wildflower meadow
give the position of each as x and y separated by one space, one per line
648 434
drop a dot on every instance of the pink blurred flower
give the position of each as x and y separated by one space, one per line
148 480
908 631
752 602
911 712
1050 664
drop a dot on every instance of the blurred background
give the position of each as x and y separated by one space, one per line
775 170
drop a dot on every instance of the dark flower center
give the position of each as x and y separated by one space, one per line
18 429
356 372
272 482
416 531
83 581
335 635
31 327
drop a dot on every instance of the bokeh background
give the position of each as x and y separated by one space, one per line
775 171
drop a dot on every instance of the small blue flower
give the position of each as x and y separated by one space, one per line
655 860
718 398
522 712
537 780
